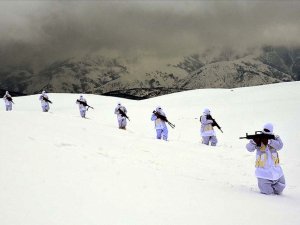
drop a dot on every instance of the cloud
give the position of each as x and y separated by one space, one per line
40 32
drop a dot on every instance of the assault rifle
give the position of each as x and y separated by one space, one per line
214 122
46 99
84 104
158 115
10 99
123 114
259 137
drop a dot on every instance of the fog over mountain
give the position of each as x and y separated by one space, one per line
143 36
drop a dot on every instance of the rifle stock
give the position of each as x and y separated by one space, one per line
259 137
158 115
46 99
123 114
10 99
84 104
214 124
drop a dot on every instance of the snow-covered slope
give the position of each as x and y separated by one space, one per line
57 168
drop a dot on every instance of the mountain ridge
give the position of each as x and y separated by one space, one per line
112 76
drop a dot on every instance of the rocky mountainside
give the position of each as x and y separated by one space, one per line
101 75
247 71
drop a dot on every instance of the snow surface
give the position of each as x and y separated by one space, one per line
59 169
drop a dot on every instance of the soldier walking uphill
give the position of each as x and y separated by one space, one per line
160 120
45 101
8 101
83 106
207 128
268 170
121 112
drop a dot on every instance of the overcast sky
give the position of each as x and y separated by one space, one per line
40 32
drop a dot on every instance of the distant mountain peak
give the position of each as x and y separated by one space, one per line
213 68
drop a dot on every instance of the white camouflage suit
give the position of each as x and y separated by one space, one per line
160 125
268 171
8 103
82 108
44 104
207 131
122 121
